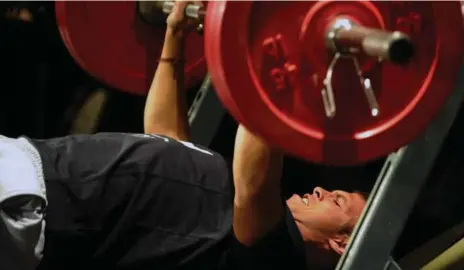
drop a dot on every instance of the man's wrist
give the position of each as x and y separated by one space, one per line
175 35
173 45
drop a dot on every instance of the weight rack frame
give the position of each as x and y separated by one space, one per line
205 114
396 190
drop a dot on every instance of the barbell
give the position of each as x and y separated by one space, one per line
333 82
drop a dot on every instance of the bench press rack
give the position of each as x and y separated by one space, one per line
396 191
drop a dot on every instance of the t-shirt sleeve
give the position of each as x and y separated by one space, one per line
22 200
280 249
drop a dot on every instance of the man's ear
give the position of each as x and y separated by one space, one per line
338 243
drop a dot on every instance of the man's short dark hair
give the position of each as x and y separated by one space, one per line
331 258
363 194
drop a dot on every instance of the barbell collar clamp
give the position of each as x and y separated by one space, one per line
346 37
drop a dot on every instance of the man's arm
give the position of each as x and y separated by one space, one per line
166 105
257 170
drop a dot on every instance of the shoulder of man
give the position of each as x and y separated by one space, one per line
101 145
144 153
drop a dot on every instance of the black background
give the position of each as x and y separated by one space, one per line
42 89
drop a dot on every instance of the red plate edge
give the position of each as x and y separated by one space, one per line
194 73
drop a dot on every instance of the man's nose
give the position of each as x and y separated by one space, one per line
319 193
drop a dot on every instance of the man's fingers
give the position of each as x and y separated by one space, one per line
198 3
177 19
179 8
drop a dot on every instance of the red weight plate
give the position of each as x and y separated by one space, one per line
113 43
268 60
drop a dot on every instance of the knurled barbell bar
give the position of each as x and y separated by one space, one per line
334 82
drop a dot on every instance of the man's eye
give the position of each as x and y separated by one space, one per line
339 201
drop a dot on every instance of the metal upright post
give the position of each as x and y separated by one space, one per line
392 265
396 191
205 114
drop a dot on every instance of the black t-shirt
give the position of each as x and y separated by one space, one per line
136 201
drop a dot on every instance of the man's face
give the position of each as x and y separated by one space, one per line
323 215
